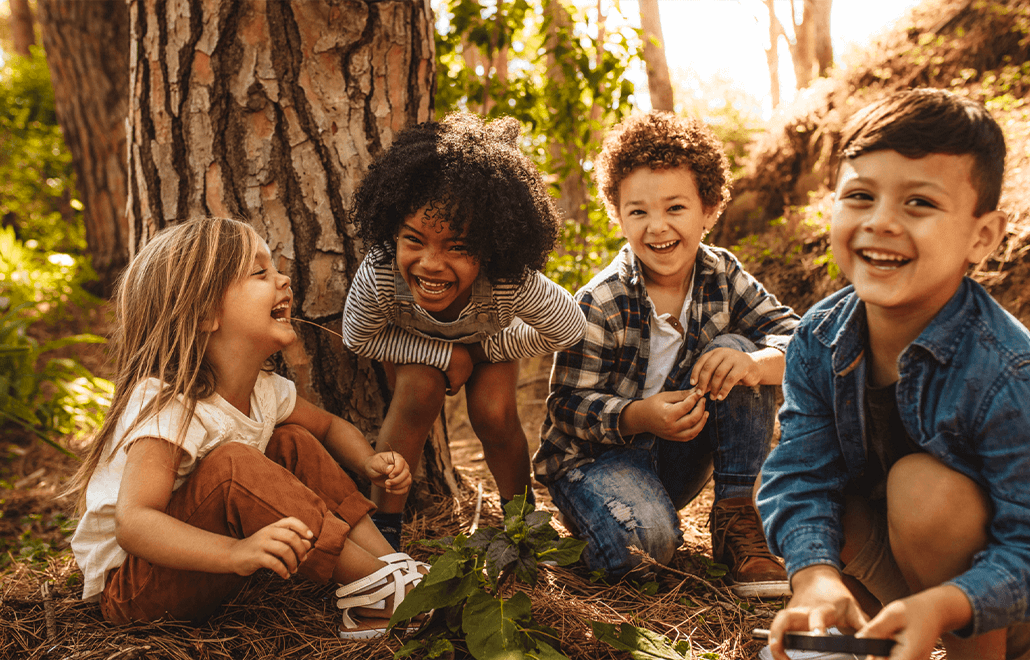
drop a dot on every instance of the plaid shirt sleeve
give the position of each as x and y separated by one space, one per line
593 381
754 312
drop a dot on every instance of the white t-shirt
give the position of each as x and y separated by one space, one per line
214 423
664 346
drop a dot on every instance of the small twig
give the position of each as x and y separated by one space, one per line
50 615
320 327
479 509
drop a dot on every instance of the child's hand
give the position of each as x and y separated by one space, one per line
460 368
918 620
389 470
820 601
675 416
717 371
281 547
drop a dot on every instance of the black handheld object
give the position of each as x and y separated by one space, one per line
810 641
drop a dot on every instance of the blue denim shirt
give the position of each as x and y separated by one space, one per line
963 396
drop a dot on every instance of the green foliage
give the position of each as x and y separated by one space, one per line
468 583
640 643
36 177
42 265
561 84
732 113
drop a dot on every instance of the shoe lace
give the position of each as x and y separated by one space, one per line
741 531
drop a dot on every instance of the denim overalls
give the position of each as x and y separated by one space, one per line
469 328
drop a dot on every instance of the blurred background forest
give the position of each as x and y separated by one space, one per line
119 118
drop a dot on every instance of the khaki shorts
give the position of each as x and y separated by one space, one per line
875 568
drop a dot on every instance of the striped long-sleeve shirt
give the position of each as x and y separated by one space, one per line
537 317
593 381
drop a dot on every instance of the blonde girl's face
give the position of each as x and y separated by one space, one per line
255 315
435 264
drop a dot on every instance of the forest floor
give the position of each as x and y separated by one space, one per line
41 615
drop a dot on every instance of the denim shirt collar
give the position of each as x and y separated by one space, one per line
843 329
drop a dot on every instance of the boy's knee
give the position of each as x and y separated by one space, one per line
734 341
643 527
930 501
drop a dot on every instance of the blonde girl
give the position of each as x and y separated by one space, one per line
208 467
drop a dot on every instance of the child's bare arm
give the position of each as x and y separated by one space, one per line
350 448
719 370
144 529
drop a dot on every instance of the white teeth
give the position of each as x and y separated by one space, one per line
662 246
283 309
882 256
432 287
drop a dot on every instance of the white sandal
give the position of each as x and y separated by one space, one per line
372 591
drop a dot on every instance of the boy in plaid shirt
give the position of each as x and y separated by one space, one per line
674 376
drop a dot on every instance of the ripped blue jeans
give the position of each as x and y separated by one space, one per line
629 496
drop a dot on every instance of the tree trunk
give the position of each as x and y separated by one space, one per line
803 51
22 32
772 56
658 82
821 29
87 46
272 111
573 191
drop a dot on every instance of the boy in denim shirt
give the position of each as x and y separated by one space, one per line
629 438
899 490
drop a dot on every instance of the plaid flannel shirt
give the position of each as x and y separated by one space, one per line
596 378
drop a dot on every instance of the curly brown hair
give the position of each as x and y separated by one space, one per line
476 178
662 140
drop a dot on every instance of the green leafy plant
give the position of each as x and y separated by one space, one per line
640 643
51 397
471 589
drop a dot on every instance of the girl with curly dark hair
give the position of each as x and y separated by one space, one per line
457 222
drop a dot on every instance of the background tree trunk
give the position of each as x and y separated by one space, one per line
272 111
659 83
567 157
22 29
772 54
821 30
87 46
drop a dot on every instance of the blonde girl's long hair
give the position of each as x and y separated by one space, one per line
176 283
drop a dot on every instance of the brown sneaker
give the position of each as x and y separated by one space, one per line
738 542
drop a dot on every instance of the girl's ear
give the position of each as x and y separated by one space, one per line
210 324
990 229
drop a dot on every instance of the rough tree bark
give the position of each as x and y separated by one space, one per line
659 84
272 111
22 30
87 47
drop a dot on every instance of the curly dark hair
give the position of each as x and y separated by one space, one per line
662 140
475 177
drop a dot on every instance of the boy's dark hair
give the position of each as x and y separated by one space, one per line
477 178
662 140
919 122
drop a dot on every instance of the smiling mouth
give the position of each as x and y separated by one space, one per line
281 312
662 247
432 288
882 260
